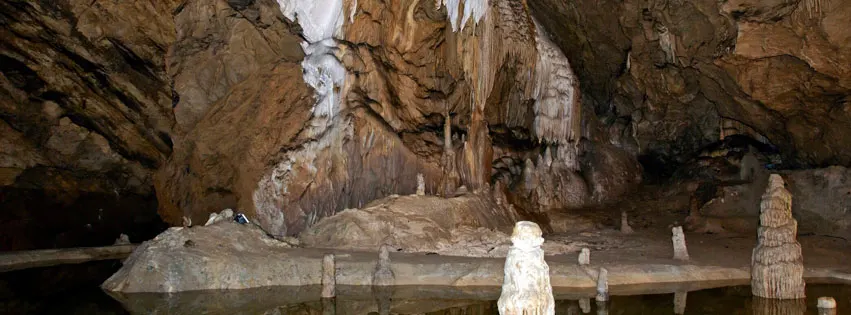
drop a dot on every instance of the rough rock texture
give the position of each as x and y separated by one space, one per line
822 203
526 288
85 117
668 77
822 200
462 107
460 226
219 44
175 258
777 265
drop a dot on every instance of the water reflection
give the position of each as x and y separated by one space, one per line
470 301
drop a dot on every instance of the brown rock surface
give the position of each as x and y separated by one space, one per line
665 74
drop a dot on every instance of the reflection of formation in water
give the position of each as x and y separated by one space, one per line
680 302
763 306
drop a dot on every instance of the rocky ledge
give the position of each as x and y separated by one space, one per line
228 255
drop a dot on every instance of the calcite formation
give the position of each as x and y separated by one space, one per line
584 257
777 265
679 241
625 228
826 305
329 276
526 288
602 285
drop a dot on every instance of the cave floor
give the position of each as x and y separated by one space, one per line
653 211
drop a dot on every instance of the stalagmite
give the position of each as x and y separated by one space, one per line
679 240
329 276
526 288
826 306
625 228
777 264
449 180
602 285
680 302
585 305
420 185
584 257
383 275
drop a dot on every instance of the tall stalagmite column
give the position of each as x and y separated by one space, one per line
777 266
526 289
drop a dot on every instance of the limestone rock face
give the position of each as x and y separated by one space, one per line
777 265
442 102
668 77
85 119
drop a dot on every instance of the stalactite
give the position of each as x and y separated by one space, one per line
557 105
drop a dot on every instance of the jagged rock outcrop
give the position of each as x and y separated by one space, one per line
445 103
777 270
85 119
668 77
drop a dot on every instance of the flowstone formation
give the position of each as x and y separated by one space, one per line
777 265
526 288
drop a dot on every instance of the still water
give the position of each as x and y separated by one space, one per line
48 291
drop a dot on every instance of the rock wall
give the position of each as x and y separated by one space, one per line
85 119
667 76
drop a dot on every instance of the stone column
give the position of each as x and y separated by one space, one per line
777 266
329 276
526 288
602 285
679 241
584 257
826 306
625 228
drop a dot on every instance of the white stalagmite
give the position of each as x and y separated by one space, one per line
526 288
679 241
329 276
777 265
420 185
602 285
584 257
826 306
